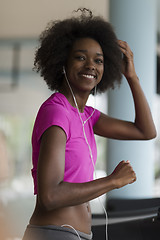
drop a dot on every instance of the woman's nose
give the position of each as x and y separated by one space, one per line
90 65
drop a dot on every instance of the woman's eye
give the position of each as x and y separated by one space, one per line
81 58
99 60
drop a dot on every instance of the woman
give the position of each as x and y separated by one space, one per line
77 57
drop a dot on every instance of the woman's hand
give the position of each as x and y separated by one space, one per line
128 68
123 174
143 127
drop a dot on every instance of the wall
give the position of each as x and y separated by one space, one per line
21 18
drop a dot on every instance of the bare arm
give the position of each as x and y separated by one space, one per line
143 127
53 193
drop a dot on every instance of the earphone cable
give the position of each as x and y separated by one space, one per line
67 225
90 150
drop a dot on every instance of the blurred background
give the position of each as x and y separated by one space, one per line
22 91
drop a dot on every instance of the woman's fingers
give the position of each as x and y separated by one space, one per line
128 64
124 174
125 47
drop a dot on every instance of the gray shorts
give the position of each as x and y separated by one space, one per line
50 232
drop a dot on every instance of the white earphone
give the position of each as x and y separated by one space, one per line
90 150
64 71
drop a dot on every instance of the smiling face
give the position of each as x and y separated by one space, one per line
85 65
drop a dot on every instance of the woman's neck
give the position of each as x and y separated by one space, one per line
81 97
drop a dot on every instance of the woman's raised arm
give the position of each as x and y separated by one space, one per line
143 127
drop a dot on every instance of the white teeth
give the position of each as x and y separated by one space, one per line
88 76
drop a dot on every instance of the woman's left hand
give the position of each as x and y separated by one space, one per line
143 127
128 68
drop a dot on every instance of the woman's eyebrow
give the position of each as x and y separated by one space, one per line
84 51
100 54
